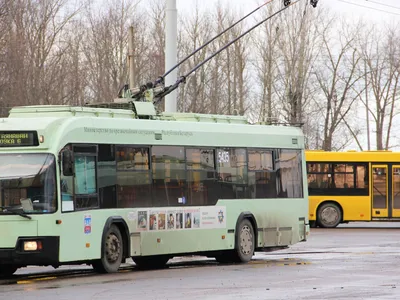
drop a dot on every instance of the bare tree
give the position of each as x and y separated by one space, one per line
380 53
266 44
5 28
71 67
220 85
156 54
298 44
240 75
337 79
106 50
45 24
229 68
33 48
196 30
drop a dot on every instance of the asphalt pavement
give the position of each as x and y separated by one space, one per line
353 261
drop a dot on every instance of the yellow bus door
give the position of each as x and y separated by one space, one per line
396 191
379 191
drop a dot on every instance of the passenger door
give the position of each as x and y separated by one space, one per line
81 226
380 191
395 191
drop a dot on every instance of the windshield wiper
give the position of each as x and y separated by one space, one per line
7 209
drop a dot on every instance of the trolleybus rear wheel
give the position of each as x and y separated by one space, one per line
7 270
244 245
112 252
329 215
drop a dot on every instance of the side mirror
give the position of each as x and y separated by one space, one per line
67 165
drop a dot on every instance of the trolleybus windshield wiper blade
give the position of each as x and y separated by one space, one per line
7 209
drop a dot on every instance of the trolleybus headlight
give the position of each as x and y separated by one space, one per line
32 245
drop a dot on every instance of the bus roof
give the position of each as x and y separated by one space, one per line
352 156
140 111
62 124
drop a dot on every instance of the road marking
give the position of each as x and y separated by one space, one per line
280 262
36 279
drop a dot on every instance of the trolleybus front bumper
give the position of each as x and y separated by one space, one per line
43 250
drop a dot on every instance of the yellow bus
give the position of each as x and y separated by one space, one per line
353 186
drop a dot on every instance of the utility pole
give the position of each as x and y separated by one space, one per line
131 59
366 105
171 37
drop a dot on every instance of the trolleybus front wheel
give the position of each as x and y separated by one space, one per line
111 252
7 270
329 215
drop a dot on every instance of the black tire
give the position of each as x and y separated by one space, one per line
7 270
329 215
112 252
313 224
151 262
245 242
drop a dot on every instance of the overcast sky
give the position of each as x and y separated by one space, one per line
378 11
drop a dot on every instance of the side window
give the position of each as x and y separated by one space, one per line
362 179
262 176
289 174
344 176
232 173
260 160
169 176
337 179
107 176
133 176
319 177
202 187
85 183
67 190
85 175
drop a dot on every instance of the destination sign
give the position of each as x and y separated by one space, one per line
18 138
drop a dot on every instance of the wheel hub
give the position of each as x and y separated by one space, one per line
113 248
329 215
246 240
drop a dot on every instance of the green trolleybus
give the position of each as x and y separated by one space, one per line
97 185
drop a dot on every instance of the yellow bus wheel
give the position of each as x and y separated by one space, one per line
329 215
